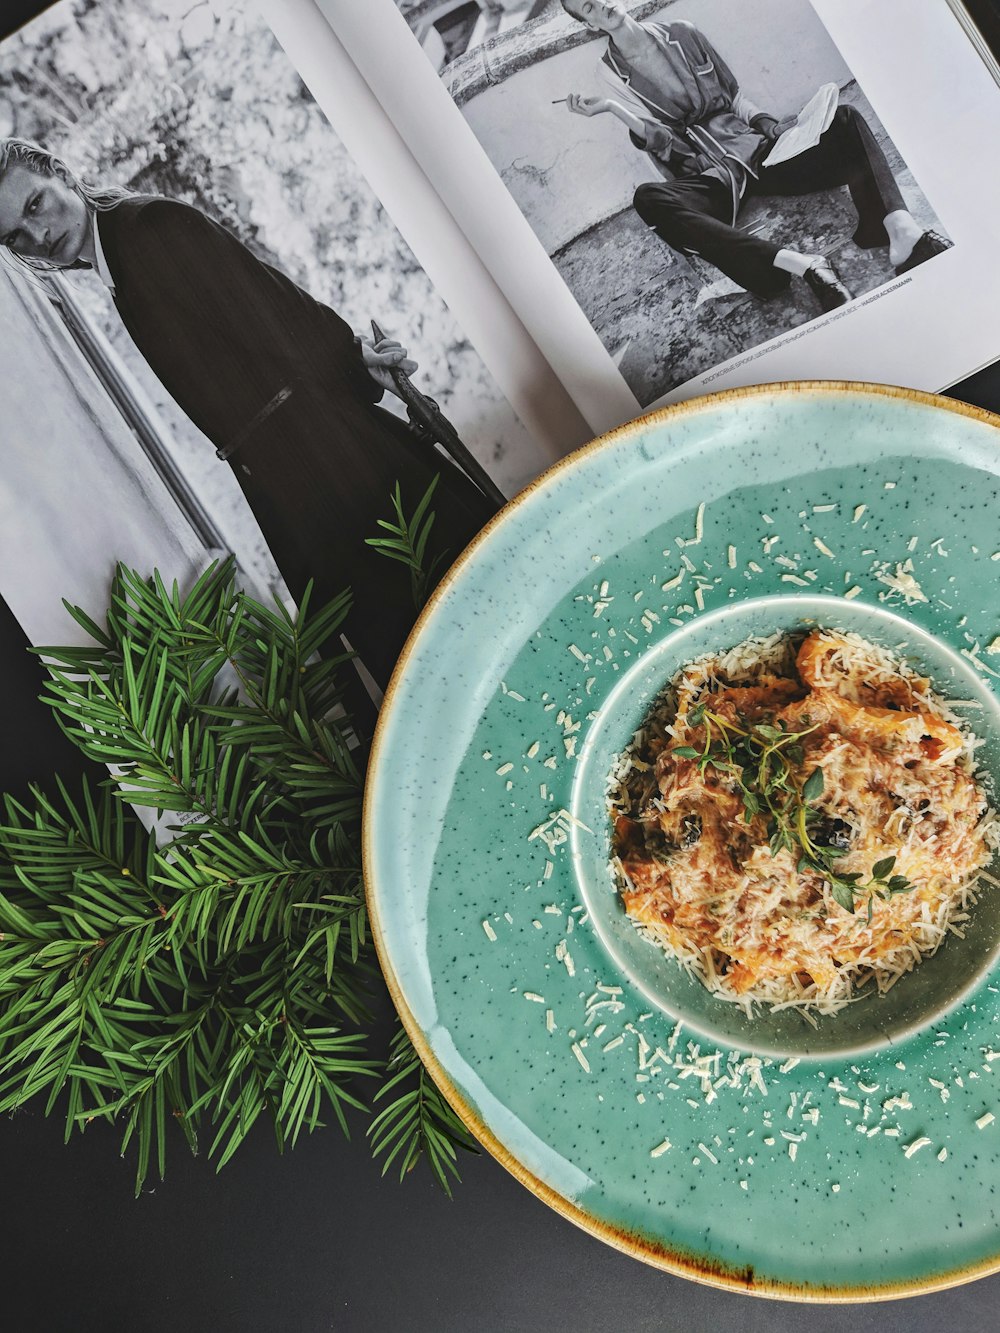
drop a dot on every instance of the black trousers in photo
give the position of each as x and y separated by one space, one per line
692 215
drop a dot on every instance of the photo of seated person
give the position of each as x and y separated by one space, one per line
683 106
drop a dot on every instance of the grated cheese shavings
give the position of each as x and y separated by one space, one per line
699 527
916 1145
902 582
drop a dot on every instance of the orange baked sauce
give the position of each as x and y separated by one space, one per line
697 872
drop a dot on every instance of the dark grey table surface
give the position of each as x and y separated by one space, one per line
316 1240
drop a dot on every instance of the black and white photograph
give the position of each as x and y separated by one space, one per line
217 339
704 175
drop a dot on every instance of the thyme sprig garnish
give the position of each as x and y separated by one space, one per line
762 760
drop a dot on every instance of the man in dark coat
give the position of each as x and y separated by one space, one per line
683 106
274 378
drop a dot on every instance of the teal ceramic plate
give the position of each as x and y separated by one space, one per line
817 1176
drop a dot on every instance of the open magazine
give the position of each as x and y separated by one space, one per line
625 297
264 260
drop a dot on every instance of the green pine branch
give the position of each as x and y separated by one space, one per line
224 974
408 540
417 1122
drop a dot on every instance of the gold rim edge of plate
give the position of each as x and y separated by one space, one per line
677 1261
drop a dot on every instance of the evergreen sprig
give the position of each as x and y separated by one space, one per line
407 542
418 1120
214 968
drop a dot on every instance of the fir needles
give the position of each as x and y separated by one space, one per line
218 971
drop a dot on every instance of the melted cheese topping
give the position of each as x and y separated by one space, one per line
697 874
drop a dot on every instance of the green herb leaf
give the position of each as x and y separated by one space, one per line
831 853
843 894
759 762
812 788
769 732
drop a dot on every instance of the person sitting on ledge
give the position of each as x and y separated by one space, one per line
683 106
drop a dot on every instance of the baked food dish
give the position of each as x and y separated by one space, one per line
800 820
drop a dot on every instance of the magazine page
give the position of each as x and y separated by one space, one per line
625 170
446 255
211 325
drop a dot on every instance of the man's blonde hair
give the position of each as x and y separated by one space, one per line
23 153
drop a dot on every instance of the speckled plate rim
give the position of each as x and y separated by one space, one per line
674 1260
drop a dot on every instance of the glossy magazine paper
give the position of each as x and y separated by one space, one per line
547 199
